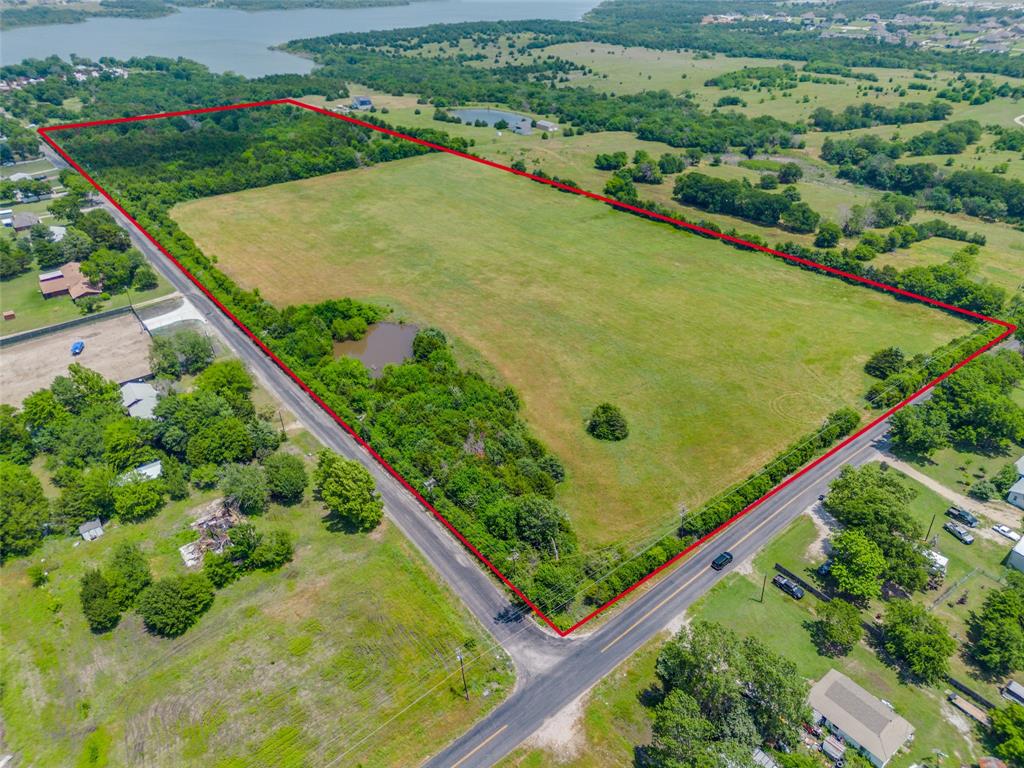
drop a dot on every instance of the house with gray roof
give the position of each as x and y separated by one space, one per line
863 721
139 398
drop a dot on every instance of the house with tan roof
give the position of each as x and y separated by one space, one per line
863 721
67 280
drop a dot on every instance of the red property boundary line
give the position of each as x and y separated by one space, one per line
1009 328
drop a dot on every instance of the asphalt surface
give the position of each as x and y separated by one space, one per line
551 671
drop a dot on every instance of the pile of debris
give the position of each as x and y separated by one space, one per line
213 523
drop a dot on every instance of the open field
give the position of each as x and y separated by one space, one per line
572 157
717 357
614 720
346 654
117 347
22 295
630 70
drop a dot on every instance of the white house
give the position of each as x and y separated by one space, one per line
547 125
1016 557
91 530
859 718
1016 494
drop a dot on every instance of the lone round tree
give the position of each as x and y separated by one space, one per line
607 423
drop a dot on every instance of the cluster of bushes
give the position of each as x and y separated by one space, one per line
866 115
739 198
784 77
973 408
755 78
838 425
106 594
969 90
880 537
248 550
720 697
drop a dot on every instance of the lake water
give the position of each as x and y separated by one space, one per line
517 123
383 344
238 41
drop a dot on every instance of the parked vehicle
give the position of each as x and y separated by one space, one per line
959 532
77 348
721 561
825 568
1007 531
788 586
963 516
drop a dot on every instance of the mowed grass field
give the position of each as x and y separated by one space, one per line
344 656
717 357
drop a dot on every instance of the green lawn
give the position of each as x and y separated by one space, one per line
717 357
346 654
958 469
22 295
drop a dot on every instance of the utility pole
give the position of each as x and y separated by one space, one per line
462 666
929 534
763 585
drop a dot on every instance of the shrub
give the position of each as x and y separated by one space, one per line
170 606
246 486
607 423
286 477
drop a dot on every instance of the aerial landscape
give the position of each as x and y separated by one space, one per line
465 383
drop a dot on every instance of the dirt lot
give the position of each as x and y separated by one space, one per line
118 348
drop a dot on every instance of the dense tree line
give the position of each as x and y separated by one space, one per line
950 139
838 425
154 85
866 115
738 197
971 408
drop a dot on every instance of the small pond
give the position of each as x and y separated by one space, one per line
383 344
516 123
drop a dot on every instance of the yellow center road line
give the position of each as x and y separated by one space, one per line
480 746
675 592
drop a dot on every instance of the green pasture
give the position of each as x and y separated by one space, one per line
717 357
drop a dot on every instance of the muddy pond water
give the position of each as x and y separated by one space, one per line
383 344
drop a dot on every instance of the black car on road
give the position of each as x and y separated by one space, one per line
721 561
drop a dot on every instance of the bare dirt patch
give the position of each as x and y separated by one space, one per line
825 526
117 347
562 734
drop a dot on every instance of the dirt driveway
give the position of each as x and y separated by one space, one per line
118 348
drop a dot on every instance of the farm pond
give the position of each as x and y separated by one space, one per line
383 344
